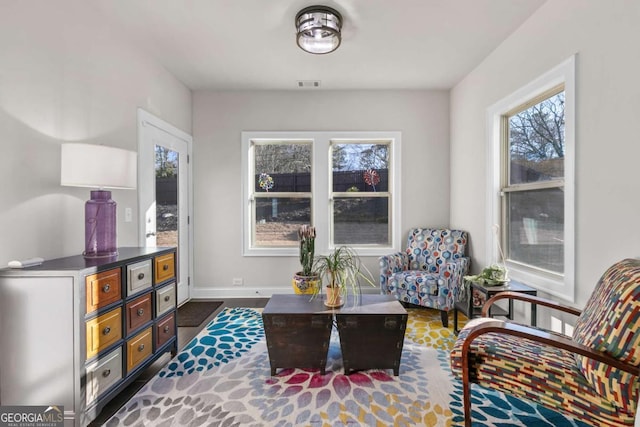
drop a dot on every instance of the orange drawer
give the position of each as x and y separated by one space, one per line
102 289
165 329
165 266
138 312
139 348
103 331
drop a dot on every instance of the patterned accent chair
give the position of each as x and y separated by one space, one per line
592 377
429 272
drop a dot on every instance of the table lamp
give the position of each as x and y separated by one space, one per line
99 167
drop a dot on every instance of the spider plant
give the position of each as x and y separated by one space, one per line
342 270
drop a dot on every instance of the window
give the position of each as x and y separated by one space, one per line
532 188
341 182
281 196
360 193
532 183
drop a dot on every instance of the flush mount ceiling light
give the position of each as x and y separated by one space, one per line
318 29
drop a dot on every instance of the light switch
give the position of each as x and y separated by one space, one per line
128 215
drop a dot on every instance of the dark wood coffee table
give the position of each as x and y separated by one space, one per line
298 331
372 333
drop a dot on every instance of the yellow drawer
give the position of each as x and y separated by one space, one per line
139 277
103 331
139 348
165 299
102 289
165 267
103 374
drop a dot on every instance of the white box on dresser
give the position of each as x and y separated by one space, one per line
76 331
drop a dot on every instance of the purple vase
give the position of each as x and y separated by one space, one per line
100 225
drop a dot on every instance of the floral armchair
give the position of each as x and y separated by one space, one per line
429 272
593 376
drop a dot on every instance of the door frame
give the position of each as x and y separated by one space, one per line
147 119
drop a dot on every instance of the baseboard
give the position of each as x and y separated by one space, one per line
237 292
251 292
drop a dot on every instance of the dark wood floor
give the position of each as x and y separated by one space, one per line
185 335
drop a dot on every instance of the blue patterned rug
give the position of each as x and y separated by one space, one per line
222 378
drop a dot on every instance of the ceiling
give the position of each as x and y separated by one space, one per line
250 44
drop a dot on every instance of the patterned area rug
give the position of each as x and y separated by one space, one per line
222 378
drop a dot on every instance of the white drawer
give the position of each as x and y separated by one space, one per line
104 373
165 299
139 277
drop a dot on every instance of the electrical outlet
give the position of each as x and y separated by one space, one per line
128 215
238 281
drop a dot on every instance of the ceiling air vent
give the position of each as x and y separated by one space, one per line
308 83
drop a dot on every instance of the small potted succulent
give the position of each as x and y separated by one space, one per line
342 270
493 275
306 280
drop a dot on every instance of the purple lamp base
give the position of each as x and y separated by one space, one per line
100 226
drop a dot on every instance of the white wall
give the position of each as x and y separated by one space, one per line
65 76
220 117
605 37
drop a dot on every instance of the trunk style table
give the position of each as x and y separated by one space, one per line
298 331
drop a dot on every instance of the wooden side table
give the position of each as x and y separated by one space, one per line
471 305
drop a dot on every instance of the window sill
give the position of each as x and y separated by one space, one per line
552 285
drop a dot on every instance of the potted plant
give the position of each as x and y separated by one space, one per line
306 280
493 275
342 270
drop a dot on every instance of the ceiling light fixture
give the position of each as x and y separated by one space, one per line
318 29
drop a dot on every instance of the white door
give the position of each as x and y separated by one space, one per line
164 192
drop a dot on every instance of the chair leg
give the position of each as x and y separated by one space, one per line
466 401
466 386
444 315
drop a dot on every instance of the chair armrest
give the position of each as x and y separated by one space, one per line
452 274
457 268
528 298
539 335
394 263
390 264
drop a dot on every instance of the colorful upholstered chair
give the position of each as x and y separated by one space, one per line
592 376
429 272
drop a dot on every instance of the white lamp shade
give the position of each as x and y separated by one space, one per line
97 166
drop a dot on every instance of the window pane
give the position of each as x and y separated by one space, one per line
363 220
536 142
278 220
166 196
282 167
536 228
360 167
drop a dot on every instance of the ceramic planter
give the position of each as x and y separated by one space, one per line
304 285
334 297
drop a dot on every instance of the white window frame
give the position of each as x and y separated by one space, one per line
320 187
562 286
